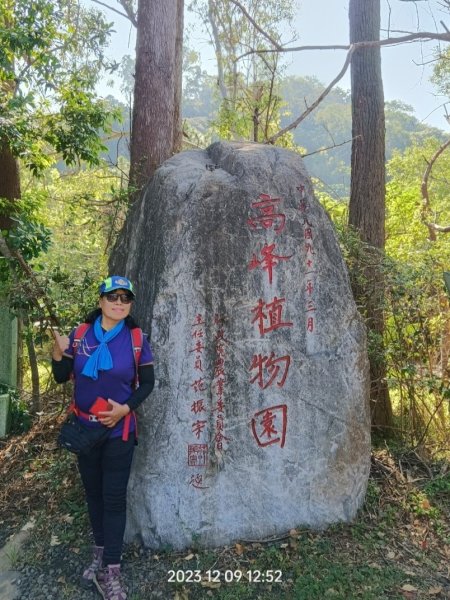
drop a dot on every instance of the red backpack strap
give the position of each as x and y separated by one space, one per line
79 334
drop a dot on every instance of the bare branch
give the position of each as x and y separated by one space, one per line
391 41
128 8
329 147
426 206
274 43
125 15
218 51
389 20
325 92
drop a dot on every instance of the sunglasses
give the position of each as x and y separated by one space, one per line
124 298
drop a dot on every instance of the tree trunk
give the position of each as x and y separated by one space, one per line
367 194
177 121
32 357
9 181
156 126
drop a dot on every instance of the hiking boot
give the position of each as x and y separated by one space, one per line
108 583
87 579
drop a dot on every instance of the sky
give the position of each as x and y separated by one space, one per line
406 68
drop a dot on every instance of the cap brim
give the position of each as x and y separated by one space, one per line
119 287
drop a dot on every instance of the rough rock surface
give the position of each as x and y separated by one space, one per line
259 419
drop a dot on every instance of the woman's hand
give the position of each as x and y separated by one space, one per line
60 346
111 417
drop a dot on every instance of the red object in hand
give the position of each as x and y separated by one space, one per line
100 404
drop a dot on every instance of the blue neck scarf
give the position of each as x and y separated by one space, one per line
100 359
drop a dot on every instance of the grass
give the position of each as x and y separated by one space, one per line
13 555
398 547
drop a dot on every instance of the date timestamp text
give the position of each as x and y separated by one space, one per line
226 576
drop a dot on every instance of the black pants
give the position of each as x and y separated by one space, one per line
105 473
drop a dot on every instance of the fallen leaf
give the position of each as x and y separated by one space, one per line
210 584
434 591
54 541
68 519
331 592
426 504
61 579
391 555
239 549
407 587
31 523
189 556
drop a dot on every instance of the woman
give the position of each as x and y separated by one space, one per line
103 366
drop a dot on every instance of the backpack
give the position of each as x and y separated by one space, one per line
137 337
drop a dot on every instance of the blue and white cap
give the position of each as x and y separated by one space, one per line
115 282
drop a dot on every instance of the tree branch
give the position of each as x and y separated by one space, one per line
328 148
392 41
128 8
325 92
218 51
274 43
125 15
39 292
426 207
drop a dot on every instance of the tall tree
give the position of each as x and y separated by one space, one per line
156 132
247 76
367 187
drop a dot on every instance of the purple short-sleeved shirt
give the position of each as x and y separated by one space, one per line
116 383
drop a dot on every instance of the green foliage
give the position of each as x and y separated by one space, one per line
20 418
330 125
248 82
415 305
30 238
29 235
419 504
83 211
439 487
51 53
441 71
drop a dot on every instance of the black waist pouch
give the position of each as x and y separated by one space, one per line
80 439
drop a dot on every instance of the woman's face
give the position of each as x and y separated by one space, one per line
115 309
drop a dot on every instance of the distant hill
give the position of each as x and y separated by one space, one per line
329 125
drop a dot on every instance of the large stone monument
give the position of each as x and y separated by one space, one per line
259 420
